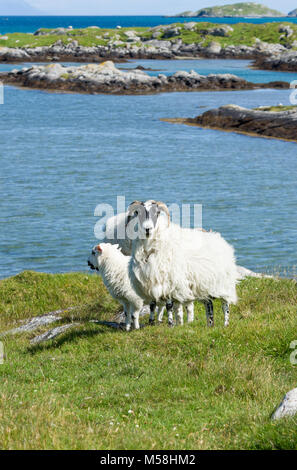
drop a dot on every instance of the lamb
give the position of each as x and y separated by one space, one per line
170 263
112 265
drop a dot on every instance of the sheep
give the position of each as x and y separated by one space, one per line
112 265
116 234
182 265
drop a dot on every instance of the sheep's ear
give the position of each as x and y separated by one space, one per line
98 248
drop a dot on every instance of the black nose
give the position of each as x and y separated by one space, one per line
93 252
90 264
147 231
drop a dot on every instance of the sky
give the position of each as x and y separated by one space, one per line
136 7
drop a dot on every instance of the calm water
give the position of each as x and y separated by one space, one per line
62 154
29 24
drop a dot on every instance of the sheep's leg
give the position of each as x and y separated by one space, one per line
152 313
161 310
128 319
179 314
190 312
209 312
135 316
226 311
169 308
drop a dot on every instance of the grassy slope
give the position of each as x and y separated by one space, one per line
187 387
244 33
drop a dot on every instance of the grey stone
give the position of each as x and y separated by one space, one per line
190 26
288 406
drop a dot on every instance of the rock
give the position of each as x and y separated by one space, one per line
286 29
213 48
190 26
156 34
223 31
286 61
282 125
171 32
51 334
288 406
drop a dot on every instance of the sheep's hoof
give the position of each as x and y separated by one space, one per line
151 321
170 324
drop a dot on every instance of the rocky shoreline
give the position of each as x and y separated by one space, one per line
262 122
286 62
106 78
263 54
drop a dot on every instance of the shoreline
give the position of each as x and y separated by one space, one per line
106 78
189 40
280 125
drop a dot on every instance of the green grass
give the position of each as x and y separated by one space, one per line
158 388
276 109
242 34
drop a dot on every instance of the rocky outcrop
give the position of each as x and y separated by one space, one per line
261 123
135 47
106 78
286 61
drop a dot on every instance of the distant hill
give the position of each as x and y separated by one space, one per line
17 7
293 12
246 9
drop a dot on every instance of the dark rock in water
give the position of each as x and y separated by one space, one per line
286 61
262 123
106 78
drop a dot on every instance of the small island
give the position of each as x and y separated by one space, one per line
236 10
107 78
269 45
278 122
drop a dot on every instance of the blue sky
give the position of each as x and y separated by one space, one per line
136 7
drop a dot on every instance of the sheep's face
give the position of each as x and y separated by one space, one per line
94 258
149 216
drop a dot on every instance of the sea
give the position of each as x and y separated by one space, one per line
62 154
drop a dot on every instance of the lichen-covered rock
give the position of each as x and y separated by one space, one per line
288 406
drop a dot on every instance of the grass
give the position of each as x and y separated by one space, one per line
276 109
158 388
242 34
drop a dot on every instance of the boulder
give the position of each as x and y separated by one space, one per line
190 26
288 406
286 29
172 32
213 48
223 31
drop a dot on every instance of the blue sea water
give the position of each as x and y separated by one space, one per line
29 24
62 154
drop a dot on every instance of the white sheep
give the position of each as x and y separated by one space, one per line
112 265
182 265
116 233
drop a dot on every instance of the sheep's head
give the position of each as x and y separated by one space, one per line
94 258
149 216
